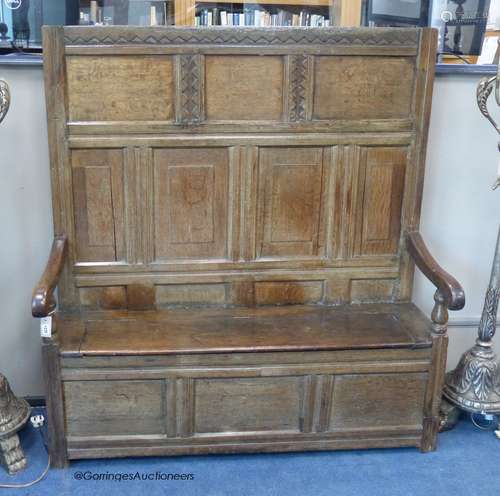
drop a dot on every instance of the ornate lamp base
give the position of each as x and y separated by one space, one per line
11 454
474 385
14 414
449 415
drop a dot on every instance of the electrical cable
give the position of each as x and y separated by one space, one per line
483 421
462 58
46 470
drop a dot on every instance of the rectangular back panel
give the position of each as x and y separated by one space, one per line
236 166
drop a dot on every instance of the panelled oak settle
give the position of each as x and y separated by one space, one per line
235 214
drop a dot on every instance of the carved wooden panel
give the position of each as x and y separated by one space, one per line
121 407
244 87
340 289
191 203
237 153
363 87
104 298
190 91
288 293
394 39
290 202
378 400
190 293
300 87
372 289
247 404
114 88
98 195
380 192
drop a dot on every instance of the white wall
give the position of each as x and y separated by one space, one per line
460 212
459 217
26 226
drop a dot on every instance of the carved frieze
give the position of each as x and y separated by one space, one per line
240 36
299 87
190 89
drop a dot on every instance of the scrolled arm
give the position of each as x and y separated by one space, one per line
43 302
448 288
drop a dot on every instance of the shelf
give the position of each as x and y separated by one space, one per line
303 3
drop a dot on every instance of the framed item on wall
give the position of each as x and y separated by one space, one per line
394 12
464 26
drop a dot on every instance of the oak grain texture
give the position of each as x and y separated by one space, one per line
236 203
244 88
43 302
99 199
123 407
114 89
191 201
362 87
269 328
444 282
56 426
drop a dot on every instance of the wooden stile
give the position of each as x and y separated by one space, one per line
236 212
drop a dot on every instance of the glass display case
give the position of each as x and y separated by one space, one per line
21 20
468 29
462 25
126 12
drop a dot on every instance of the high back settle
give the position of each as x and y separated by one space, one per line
208 186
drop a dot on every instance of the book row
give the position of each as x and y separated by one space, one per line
259 17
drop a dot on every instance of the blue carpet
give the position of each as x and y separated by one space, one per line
466 463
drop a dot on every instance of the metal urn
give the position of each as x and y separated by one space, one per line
474 385
14 413
4 99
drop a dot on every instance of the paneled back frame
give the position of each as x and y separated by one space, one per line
236 166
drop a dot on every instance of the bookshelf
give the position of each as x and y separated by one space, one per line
325 3
221 12
334 12
269 14
126 12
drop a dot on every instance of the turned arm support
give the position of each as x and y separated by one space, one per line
43 302
449 294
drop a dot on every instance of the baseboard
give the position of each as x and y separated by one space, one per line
35 400
466 322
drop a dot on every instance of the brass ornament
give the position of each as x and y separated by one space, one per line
14 414
474 385
4 99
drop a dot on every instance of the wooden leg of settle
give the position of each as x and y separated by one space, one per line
433 395
54 401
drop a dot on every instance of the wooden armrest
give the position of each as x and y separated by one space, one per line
448 286
43 302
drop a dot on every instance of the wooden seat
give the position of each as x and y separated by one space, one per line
236 226
295 328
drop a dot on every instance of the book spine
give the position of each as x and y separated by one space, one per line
93 11
152 16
